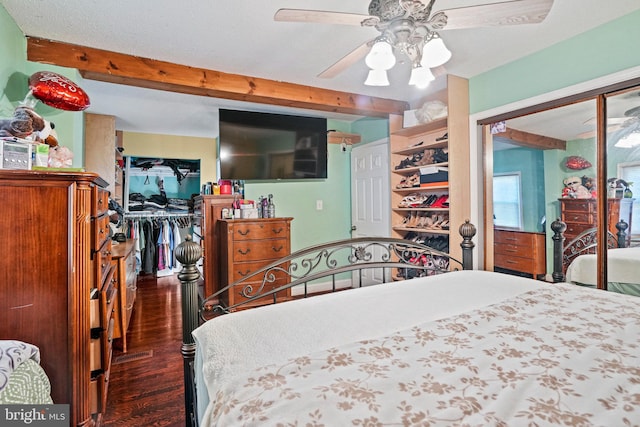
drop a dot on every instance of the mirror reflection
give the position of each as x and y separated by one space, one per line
545 167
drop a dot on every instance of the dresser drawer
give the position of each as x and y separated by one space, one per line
579 217
579 205
515 263
100 202
256 230
514 238
242 269
238 296
100 232
103 265
260 250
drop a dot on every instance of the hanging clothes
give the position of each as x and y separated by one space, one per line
156 240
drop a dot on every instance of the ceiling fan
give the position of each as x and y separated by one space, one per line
409 27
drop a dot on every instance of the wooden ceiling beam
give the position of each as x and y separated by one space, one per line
533 140
113 67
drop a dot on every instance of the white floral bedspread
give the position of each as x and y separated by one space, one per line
559 355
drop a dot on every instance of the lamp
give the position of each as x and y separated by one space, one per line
380 59
630 140
424 47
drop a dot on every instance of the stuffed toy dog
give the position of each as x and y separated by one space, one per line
26 124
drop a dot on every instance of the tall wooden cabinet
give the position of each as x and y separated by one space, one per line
448 135
247 245
56 251
207 212
581 214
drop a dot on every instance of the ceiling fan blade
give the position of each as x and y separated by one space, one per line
347 61
592 133
320 16
439 71
490 15
610 121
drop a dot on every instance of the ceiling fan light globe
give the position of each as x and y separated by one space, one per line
629 141
380 57
377 78
421 77
435 53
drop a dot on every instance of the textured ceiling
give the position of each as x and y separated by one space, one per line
241 37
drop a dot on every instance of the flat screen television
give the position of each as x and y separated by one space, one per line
266 146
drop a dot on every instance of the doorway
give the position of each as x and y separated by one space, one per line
370 196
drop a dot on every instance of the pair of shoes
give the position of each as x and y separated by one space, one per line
410 161
409 200
427 157
431 198
442 202
443 137
409 181
440 155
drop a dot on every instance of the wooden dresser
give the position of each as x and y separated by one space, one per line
207 212
124 261
520 251
249 244
581 214
56 256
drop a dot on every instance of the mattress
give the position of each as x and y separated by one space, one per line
231 344
623 268
468 347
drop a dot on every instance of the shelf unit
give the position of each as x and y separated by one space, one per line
405 142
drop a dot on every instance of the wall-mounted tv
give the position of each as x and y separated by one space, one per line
266 146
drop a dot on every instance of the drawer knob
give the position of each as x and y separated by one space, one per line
278 231
244 233
244 252
244 273
278 249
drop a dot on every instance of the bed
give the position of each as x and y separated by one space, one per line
22 379
623 264
467 347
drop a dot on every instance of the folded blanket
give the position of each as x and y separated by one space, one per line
12 354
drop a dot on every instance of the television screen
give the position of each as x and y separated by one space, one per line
265 146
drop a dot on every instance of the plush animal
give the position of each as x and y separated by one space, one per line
574 188
27 124
590 184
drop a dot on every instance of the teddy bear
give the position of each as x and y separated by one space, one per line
574 189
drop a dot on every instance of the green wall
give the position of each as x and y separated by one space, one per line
604 50
14 75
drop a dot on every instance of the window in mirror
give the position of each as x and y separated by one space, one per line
630 173
507 202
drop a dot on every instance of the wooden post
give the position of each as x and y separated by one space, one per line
188 253
467 231
558 227
622 233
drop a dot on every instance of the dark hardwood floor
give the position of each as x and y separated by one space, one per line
149 391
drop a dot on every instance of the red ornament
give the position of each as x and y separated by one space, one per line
57 91
577 163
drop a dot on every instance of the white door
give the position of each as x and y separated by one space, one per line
370 196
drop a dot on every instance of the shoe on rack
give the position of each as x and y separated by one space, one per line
443 137
440 203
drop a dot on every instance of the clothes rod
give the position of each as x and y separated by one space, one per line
156 215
